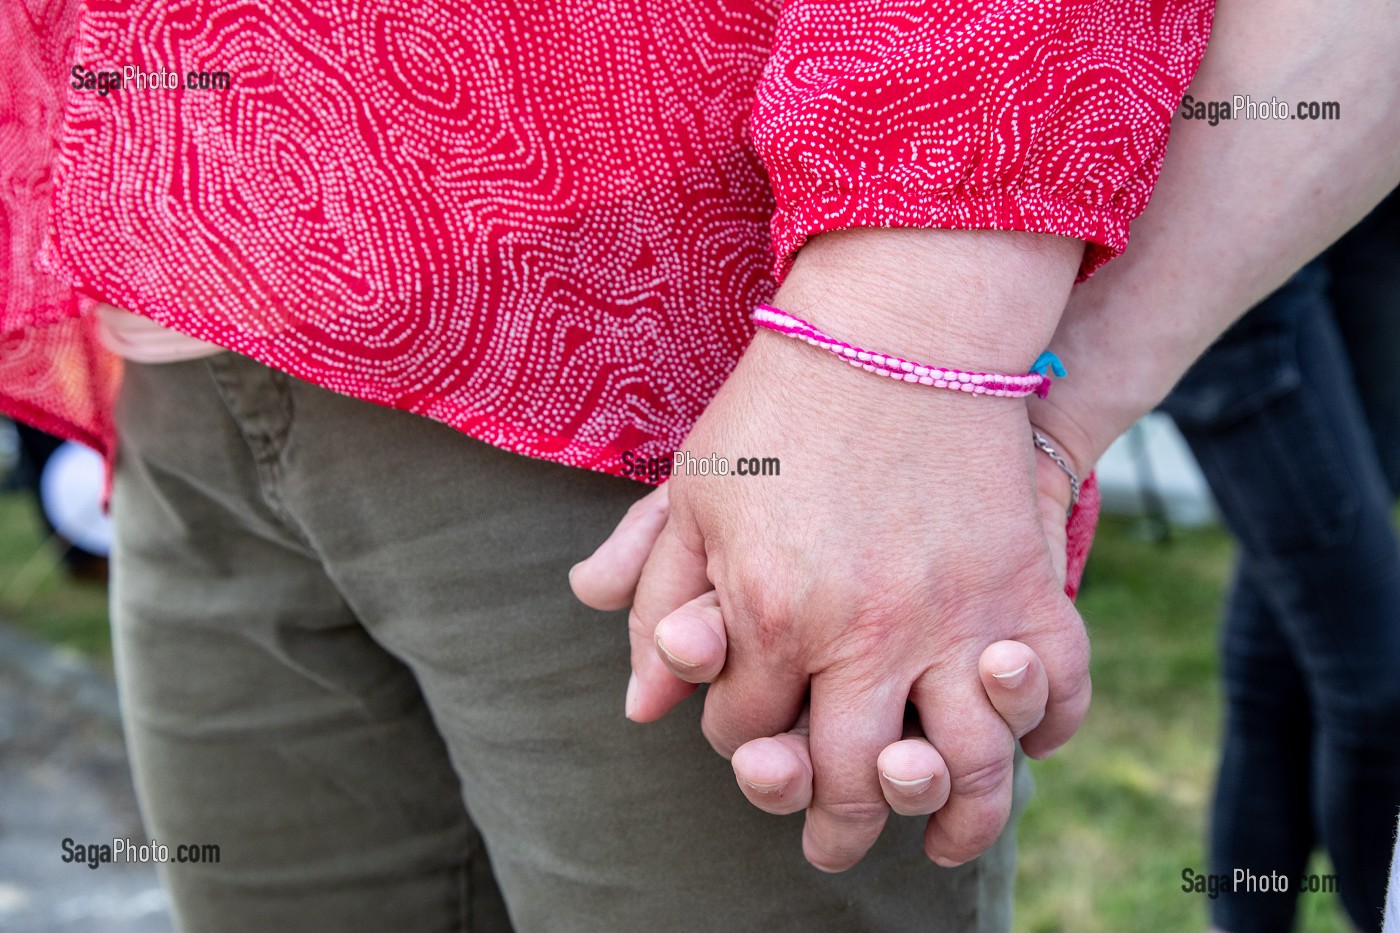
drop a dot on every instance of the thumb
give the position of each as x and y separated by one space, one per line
1015 682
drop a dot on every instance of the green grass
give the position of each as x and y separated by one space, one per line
36 594
1119 812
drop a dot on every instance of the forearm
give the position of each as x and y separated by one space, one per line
1238 208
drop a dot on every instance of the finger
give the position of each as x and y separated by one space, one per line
753 697
673 576
607 579
979 751
1064 652
913 777
691 641
758 692
851 724
1015 683
775 773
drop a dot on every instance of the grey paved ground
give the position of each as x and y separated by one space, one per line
63 774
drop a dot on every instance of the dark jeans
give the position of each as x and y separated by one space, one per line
1294 416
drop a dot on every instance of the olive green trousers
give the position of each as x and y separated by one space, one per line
349 657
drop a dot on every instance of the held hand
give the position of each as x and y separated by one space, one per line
775 773
868 607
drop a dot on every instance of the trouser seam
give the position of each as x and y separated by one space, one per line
266 447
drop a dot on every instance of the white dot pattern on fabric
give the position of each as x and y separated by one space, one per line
546 224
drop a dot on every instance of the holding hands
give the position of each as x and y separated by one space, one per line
883 621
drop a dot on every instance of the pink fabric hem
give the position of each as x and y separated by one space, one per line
886 203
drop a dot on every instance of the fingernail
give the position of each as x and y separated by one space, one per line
908 787
630 706
946 862
571 572
1013 678
678 662
764 788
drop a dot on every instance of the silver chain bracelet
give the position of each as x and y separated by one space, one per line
1044 447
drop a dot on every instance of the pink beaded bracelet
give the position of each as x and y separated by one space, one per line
1036 382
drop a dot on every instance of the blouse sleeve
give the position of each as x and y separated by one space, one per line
1047 116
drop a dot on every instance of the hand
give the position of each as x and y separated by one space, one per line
860 602
775 773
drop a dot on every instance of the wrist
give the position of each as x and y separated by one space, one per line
1074 441
1107 395
972 300
905 427
912 372
1114 383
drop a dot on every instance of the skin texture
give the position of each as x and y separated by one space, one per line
776 773
954 561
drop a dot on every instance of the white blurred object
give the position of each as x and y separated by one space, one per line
1156 460
70 490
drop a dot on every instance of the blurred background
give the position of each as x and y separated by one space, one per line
1119 813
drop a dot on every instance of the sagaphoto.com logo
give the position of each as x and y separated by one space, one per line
1244 107
131 78
685 463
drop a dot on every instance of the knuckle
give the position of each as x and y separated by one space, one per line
1066 640
754 611
968 831
876 625
971 840
1072 695
982 781
1077 649
859 813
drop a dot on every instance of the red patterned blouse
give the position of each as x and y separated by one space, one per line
541 223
